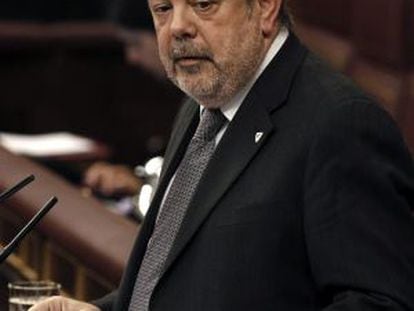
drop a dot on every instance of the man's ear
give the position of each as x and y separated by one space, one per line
270 10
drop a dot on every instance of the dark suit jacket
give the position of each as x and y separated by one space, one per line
313 216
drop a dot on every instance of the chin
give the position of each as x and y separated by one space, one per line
209 101
197 88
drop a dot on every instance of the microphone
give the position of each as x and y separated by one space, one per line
17 187
6 251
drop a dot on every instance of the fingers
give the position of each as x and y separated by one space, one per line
49 304
59 303
111 179
93 174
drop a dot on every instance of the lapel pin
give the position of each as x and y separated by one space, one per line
258 136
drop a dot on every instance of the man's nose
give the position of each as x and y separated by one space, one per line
183 24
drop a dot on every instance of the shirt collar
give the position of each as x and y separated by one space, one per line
229 110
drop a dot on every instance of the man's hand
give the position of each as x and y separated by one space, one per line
59 303
109 179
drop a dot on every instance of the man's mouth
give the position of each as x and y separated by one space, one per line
190 60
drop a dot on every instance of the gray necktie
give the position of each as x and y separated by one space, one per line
173 210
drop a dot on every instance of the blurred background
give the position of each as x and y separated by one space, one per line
89 68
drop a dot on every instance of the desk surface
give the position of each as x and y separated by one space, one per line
81 225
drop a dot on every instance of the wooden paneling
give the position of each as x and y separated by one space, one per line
331 15
379 31
74 77
374 46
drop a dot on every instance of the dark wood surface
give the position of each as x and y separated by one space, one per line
100 239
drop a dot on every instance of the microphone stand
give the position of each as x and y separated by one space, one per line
16 188
6 251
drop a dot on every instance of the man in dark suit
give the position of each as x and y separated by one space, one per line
305 203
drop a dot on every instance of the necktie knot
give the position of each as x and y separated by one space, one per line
212 120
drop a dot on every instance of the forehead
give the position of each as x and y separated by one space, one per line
151 3
190 1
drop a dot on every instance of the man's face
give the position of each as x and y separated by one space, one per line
209 48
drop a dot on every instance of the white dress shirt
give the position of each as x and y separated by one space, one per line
230 109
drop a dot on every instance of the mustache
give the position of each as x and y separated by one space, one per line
186 49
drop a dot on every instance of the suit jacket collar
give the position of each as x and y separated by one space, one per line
274 85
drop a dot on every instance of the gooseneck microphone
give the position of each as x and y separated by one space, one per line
6 251
16 188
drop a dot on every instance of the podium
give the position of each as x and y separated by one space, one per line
79 243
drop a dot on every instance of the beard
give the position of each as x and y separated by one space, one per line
210 79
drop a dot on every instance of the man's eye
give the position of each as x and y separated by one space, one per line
203 5
160 9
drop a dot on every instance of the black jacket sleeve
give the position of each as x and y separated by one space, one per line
106 303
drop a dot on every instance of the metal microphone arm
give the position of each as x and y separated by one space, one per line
6 251
16 188
26 229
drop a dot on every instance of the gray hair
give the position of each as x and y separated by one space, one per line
284 17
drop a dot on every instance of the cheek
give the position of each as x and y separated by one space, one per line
162 47
225 37
217 43
162 39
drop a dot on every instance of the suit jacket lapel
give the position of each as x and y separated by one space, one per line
180 138
188 120
222 171
253 118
